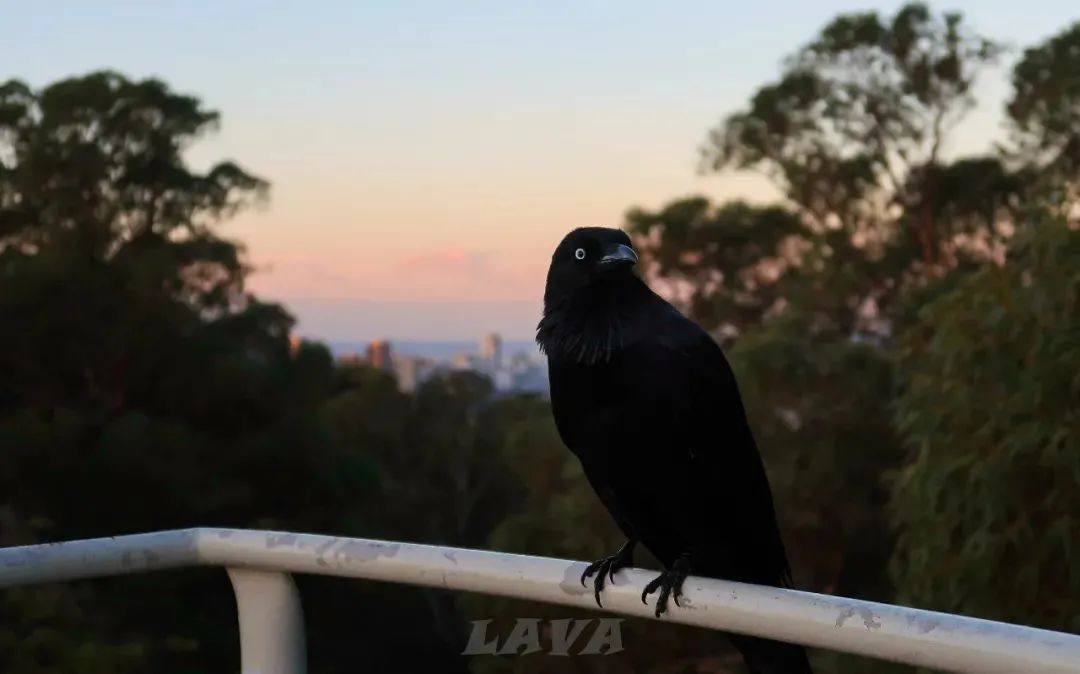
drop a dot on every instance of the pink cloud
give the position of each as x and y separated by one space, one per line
440 273
455 272
448 259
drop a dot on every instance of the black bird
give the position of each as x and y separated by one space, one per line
647 401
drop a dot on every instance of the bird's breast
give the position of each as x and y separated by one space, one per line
604 416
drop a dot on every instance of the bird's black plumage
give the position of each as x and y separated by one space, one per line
647 401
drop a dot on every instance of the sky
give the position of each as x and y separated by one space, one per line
426 157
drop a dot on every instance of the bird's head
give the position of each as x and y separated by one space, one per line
586 258
588 283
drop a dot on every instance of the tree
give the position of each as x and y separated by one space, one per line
988 411
100 215
730 258
819 406
1045 106
97 161
857 114
853 134
141 386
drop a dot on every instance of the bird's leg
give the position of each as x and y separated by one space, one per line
609 566
669 583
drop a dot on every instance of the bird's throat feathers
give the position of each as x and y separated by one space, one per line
589 325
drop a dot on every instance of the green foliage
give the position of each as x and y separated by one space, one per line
1045 107
990 409
856 109
96 162
818 404
731 258
140 387
852 134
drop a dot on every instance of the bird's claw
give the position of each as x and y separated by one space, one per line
608 566
669 583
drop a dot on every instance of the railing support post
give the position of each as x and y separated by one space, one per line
271 622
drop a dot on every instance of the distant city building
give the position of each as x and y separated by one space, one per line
464 361
379 355
529 373
503 381
411 371
491 352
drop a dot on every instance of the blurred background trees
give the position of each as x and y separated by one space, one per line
989 375
903 323
887 318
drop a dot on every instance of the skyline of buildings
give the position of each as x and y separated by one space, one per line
521 372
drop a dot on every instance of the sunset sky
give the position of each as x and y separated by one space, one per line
425 157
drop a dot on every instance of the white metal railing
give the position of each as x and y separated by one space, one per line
271 620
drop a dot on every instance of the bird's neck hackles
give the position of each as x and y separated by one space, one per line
590 325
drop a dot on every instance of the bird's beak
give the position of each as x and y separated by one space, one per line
618 255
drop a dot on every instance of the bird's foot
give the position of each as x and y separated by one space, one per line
669 583
608 566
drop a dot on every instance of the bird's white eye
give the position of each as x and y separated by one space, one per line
580 253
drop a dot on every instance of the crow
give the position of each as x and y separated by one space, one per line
648 403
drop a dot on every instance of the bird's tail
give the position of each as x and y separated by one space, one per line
764 656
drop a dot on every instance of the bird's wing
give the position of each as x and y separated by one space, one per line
689 377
